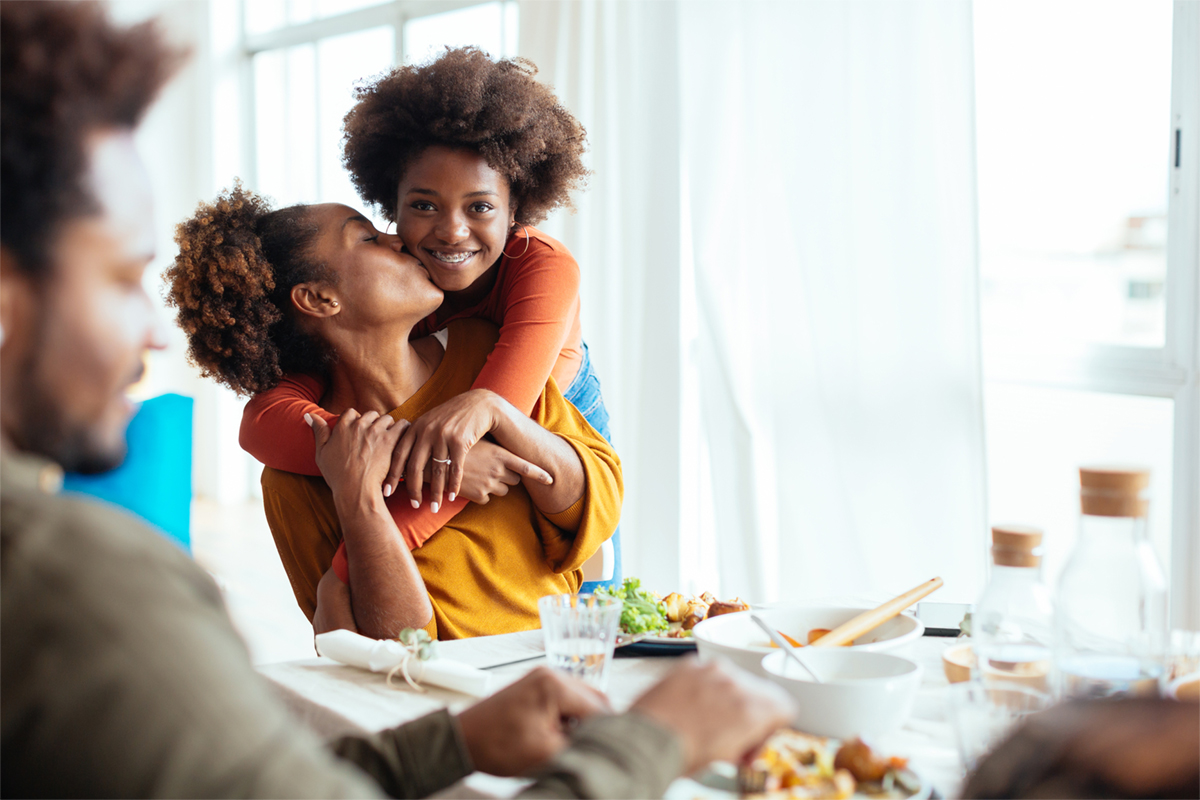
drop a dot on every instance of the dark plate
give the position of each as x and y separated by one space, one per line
655 648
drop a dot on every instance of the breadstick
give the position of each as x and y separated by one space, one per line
869 620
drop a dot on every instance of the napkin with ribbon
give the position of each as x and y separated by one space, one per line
376 655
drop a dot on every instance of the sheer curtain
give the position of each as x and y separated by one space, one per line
779 254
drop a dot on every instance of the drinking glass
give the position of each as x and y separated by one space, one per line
985 713
580 631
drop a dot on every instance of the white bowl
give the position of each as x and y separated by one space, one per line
861 693
737 638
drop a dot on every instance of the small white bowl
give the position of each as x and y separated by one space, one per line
861 693
737 638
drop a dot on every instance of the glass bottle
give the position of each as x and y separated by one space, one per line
1111 618
1013 622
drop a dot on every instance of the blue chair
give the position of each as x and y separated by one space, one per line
155 480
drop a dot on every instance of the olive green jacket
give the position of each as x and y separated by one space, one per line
121 675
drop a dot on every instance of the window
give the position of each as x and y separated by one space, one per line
303 59
1085 113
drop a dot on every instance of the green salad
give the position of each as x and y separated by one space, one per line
642 611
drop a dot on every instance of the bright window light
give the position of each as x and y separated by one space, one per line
490 26
1073 118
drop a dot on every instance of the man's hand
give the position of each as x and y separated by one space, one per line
526 724
355 454
718 711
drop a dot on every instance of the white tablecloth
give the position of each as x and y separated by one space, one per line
335 700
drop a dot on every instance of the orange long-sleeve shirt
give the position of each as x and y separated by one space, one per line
534 300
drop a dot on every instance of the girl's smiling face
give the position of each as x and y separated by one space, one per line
454 213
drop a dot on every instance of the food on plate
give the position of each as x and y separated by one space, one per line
813 635
864 763
731 607
789 639
816 633
673 616
642 611
797 765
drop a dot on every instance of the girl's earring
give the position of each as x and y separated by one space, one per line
526 250
334 304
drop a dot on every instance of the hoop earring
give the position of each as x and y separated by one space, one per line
526 250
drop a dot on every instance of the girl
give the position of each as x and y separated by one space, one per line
464 154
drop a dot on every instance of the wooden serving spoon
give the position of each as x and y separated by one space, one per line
870 620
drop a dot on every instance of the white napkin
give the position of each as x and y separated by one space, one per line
348 647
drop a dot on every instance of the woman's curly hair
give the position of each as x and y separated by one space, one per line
232 281
464 99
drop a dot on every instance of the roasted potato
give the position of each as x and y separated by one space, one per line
694 613
861 761
674 604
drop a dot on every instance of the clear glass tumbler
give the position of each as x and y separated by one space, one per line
580 632
985 713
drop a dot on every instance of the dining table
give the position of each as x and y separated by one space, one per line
336 700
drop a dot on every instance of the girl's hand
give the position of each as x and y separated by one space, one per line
355 454
442 438
489 470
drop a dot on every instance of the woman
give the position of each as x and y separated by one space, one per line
466 154
317 289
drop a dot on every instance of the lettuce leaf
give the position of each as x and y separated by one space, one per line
642 612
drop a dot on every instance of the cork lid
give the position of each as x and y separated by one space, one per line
1114 491
1016 546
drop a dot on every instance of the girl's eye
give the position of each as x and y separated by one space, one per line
422 205
481 208
372 238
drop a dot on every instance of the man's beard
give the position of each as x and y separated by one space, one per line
75 447
46 430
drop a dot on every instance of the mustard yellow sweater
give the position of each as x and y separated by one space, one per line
486 569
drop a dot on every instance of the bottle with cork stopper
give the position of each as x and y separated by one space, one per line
1111 601
1013 622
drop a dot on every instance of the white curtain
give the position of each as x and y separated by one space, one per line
780 286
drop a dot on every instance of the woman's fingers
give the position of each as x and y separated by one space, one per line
437 478
457 453
320 429
525 469
399 456
414 467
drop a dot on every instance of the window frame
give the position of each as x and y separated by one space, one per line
1173 370
395 14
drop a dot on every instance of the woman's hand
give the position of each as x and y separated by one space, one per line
442 438
334 610
355 454
489 470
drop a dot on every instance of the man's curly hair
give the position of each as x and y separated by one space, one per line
464 99
65 72
232 281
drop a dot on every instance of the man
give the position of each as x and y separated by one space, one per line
121 674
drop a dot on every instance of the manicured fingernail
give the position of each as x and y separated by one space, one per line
549 479
452 496
435 507
416 503
387 490
308 419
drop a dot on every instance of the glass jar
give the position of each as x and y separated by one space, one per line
1111 617
1013 622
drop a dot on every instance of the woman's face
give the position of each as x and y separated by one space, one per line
374 280
454 214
